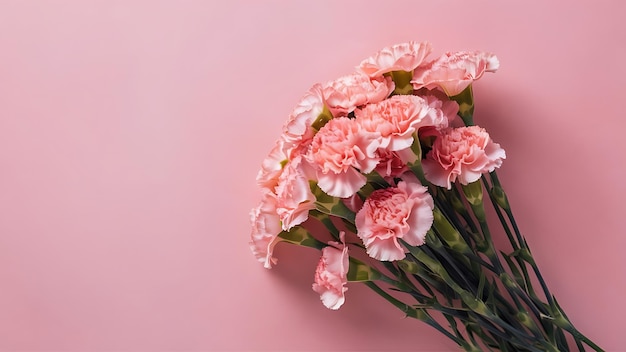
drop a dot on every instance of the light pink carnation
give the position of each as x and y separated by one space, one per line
399 57
297 130
398 118
265 229
340 152
272 167
331 274
453 72
390 214
294 198
463 153
442 108
346 93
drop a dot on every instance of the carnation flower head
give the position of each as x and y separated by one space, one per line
390 214
398 118
399 57
265 229
340 152
294 198
441 107
298 130
331 275
272 167
346 93
453 72
462 154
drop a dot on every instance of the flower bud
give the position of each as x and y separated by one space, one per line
508 281
497 193
408 266
526 320
475 304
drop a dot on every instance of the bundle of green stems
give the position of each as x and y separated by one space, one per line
481 297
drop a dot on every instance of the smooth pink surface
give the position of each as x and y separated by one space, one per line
131 133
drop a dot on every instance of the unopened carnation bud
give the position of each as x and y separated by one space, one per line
408 266
500 197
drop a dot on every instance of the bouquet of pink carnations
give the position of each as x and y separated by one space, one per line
389 161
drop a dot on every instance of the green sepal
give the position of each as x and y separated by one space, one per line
519 278
525 255
465 99
524 318
416 166
402 81
475 304
322 119
435 267
456 202
409 266
449 233
473 192
361 272
300 236
498 195
330 205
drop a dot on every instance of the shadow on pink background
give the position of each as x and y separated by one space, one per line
131 133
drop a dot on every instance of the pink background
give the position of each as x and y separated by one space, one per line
131 133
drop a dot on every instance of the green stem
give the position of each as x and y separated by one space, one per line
522 241
419 314
561 321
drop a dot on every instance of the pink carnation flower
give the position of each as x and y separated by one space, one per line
463 153
442 108
390 214
297 130
453 72
265 230
398 118
349 92
272 167
399 57
331 275
340 152
294 198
